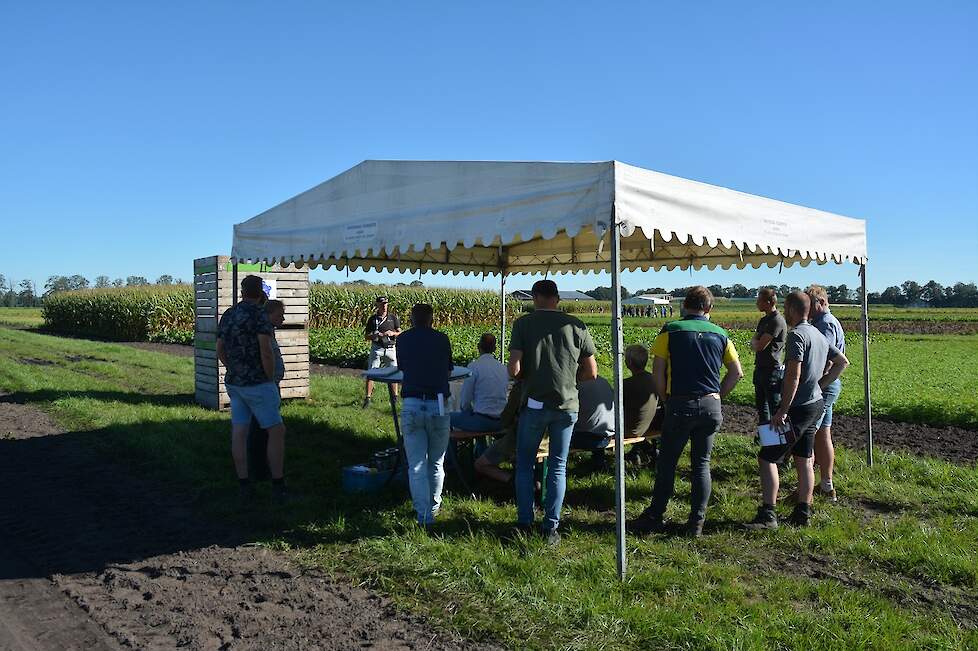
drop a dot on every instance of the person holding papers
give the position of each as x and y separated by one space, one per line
551 352
792 428
688 356
483 394
425 357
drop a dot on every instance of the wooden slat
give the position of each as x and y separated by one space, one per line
298 382
205 363
206 325
211 380
296 359
207 399
287 294
295 392
201 353
291 342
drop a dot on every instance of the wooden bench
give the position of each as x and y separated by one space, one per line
651 435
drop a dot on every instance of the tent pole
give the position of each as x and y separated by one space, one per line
868 402
502 316
618 355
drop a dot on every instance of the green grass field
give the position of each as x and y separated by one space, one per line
21 317
893 566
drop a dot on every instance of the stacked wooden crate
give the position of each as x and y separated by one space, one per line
214 288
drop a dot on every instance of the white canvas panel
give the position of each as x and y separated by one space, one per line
532 217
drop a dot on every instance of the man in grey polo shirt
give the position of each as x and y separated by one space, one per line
807 354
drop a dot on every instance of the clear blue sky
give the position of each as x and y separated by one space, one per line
133 134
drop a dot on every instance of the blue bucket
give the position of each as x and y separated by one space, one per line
362 479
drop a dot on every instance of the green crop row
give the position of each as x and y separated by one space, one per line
167 313
153 313
349 306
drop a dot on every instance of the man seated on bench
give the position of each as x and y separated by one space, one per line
595 426
483 394
640 403
504 447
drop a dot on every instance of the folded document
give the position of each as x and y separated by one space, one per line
771 435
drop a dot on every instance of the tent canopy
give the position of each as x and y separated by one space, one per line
533 217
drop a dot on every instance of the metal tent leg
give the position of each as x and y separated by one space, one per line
618 357
502 317
866 390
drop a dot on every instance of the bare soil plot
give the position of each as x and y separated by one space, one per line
92 556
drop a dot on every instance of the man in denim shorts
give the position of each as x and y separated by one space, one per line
807 353
245 347
826 323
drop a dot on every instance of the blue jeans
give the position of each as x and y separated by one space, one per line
469 421
694 421
532 425
425 441
829 394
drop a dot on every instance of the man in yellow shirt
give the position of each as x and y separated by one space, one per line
689 354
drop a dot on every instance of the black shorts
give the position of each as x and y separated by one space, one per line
804 421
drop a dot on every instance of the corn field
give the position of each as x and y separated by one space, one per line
346 306
124 314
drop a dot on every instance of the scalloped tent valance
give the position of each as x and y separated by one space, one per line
532 217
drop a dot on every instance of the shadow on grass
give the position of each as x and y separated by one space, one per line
126 397
82 500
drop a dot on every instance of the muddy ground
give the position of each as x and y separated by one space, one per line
93 557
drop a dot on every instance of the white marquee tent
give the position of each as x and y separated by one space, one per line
504 218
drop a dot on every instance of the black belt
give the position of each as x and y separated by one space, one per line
694 396
420 396
476 413
384 347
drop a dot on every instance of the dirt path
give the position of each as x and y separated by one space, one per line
93 557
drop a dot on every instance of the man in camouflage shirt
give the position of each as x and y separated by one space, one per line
245 346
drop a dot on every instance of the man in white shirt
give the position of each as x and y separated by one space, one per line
484 392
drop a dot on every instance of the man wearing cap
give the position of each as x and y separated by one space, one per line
551 352
688 356
825 322
381 330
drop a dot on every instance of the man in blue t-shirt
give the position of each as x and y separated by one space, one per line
245 346
425 357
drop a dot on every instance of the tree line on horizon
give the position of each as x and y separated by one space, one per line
910 292
932 293
26 294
